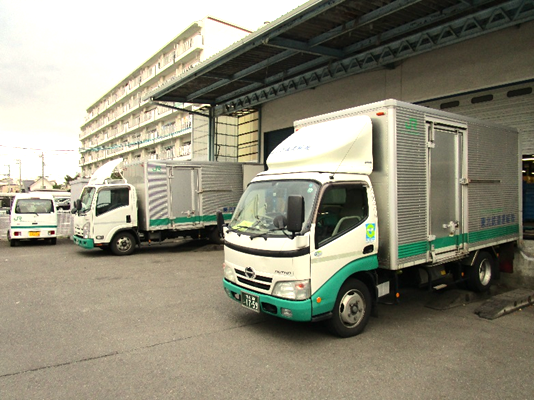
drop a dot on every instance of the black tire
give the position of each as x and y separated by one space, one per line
345 321
53 241
123 244
480 274
214 236
12 242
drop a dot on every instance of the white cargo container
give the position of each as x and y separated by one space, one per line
355 196
157 200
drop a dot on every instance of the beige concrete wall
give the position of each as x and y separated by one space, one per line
493 59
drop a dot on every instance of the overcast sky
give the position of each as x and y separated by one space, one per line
57 57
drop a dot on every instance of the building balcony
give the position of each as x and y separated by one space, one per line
103 152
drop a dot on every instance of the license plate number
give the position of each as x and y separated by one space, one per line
250 301
33 234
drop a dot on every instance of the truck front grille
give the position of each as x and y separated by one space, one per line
257 282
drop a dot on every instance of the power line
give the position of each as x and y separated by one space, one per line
33 149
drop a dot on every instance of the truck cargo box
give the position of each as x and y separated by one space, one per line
444 184
185 195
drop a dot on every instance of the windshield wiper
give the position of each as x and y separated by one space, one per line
264 234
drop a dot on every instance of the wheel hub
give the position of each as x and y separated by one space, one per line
123 244
484 272
351 308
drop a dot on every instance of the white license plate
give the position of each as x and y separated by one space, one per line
250 301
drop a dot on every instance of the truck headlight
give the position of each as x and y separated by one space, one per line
229 273
294 290
85 230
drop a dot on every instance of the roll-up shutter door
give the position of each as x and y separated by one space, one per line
512 105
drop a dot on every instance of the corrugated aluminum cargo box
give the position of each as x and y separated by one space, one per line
444 184
184 195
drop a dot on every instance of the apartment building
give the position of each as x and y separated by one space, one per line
121 124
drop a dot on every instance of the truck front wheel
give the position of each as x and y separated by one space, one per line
480 274
123 244
352 309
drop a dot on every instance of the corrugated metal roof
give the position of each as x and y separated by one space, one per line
323 40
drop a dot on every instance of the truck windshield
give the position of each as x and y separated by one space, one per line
87 198
263 202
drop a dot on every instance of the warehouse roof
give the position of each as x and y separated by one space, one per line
325 40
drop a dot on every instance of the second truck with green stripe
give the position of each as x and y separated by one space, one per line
156 200
357 202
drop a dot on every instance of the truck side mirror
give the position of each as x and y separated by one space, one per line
75 206
295 213
220 223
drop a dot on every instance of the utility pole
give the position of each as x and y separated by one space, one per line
42 170
19 162
8 171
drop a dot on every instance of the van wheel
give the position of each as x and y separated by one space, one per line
123 244
351 310
480 274
12 242
53 241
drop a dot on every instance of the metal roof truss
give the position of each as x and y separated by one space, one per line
476 24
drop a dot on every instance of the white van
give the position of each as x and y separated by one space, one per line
33 217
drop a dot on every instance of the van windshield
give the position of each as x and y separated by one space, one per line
262 202
34 206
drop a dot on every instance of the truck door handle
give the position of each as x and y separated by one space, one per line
368 249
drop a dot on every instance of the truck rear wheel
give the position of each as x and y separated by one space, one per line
480 274
123 244
352 309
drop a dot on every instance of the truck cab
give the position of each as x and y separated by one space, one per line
105 217
297 275
320 267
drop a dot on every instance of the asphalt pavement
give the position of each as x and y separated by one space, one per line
80 324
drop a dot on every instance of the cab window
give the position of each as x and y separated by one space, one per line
111 199
342 208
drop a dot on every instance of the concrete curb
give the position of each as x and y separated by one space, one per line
505 303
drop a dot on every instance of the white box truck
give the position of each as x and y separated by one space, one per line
156 200
33 216
355 202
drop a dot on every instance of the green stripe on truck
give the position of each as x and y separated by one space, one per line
419 248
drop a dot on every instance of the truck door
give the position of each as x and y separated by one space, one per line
183 207
445 144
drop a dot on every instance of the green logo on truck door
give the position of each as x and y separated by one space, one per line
370 232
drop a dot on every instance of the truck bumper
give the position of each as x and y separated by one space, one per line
300 310
85 243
